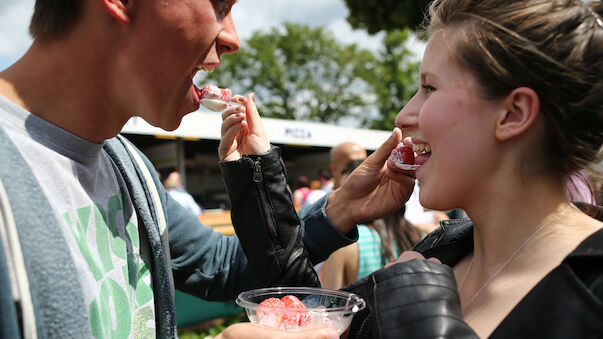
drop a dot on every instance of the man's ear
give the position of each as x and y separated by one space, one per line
332 168
522 107
119 9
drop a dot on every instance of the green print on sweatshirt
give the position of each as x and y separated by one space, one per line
110 312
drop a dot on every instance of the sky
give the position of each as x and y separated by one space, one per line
249 16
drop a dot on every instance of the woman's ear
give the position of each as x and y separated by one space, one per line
522 107
119 9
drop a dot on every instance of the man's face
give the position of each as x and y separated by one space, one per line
170 41
342 156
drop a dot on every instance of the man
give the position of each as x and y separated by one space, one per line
341 155
173 185
84 220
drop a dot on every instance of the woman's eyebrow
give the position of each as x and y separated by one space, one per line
426 74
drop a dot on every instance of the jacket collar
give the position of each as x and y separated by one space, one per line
453 240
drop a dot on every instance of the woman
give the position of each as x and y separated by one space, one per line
510 105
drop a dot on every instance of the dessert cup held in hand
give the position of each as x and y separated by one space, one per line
215 98
323 308
217 105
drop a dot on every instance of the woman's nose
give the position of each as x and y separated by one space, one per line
228 39
408 118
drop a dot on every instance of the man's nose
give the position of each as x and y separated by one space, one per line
228 39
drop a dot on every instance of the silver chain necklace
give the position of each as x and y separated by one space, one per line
523 244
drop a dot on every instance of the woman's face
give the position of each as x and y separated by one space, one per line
458 125
171 40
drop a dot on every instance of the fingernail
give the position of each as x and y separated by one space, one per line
253 97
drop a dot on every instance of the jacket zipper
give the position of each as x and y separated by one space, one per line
359 333
259 180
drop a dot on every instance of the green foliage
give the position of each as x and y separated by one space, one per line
298 72
388 15
303 73
208 332
394 79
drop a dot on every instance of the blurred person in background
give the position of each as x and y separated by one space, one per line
173 185
301 191
326 180
340 156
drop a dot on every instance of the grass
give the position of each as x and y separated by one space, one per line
210 329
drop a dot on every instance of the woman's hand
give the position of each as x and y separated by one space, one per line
410 255
375 189
242 130
248 330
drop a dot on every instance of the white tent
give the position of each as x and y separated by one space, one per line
206 125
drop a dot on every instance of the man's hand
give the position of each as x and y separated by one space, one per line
242 133
375 189
251 331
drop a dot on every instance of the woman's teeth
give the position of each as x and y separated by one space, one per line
421 148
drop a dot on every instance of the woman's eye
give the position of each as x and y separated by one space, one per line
427 89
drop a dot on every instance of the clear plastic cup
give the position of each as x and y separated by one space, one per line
324 308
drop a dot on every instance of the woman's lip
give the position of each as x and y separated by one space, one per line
417 141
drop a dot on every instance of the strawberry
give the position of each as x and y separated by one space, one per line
292 301
214 92
296 315
403 155
269 312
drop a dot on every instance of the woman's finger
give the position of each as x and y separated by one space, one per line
232 121
233 109
406 256
239 99
260 143
253 116
434 259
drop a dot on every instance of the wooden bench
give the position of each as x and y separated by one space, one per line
220 221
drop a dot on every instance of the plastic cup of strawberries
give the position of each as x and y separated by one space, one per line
300 308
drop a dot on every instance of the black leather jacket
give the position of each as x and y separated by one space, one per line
265 220
419 299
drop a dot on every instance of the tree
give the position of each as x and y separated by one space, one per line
299 73
394 79
378 15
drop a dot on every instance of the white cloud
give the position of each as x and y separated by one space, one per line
14 22
252 15
344 33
